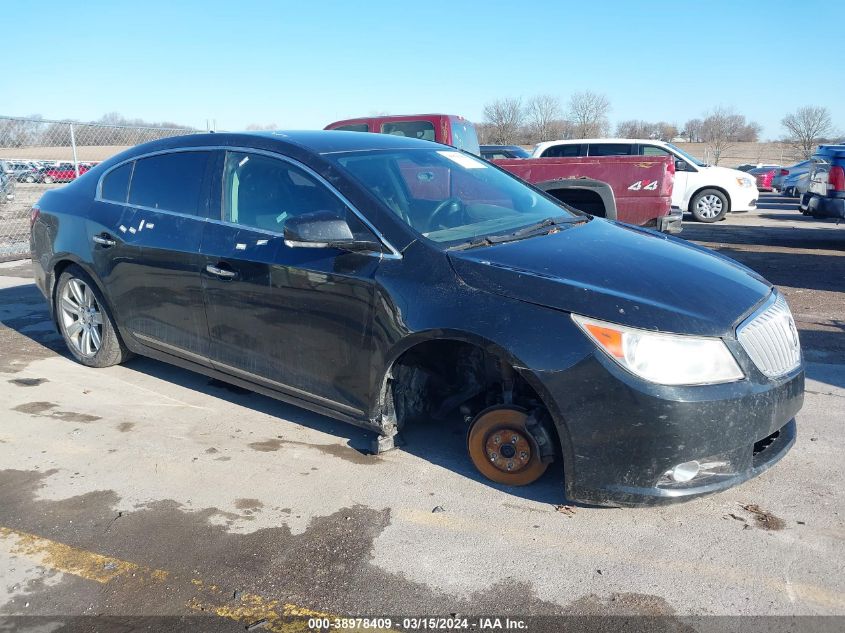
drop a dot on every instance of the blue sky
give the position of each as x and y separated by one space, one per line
303 64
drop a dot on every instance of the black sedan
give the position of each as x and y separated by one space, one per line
385 281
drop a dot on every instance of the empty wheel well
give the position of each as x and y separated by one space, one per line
448 379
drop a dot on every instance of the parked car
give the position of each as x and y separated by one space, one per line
746 167
448 129
795 185
707 192
781 174
826 195
636 193
503 152
7 183
64 172
303 265
23 171
764 176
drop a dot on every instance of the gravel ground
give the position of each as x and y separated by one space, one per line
146 490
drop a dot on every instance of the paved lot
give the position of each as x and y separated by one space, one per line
145 489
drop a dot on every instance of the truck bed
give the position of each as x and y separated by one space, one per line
642 185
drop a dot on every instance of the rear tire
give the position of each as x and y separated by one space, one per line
85 322
48 180
709 205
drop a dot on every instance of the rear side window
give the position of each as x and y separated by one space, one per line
562 151
116 184
353 127
611 149
170 182
412 129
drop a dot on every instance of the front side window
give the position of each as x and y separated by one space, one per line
464 135
262 192
610 149
170 182
412 129
116 184
449 196
653 150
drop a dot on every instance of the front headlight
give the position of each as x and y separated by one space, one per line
746 182
666 359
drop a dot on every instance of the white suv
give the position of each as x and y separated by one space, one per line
706 191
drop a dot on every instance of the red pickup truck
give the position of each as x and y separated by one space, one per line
632 189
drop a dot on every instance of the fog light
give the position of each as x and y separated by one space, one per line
684 472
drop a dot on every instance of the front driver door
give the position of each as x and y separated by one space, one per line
296 319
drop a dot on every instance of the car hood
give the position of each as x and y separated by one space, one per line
622 274
727 175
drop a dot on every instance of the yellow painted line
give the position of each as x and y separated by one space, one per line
75 561
248 608
811 593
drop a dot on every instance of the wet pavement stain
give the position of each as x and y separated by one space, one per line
328 567
336 450
763 519
248 504
125 427
28 382
46 410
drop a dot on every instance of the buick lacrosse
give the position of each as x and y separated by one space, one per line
389 281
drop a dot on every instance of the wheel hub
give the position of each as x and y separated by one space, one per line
508 450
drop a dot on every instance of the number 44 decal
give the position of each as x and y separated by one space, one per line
645 185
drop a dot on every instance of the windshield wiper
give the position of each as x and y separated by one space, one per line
538 228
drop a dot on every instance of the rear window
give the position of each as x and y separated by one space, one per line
561 151
611 149
170 182
353 127
116 184
412 129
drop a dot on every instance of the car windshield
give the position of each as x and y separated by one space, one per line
452 197
686 156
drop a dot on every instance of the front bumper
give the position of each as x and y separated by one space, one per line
824 207
624 435
744 199
672 223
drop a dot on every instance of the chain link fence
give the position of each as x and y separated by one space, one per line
36 155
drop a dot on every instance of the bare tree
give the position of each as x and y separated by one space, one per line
262 126
633 128
720 130
504 119
542 114
692 130
588 114
806 127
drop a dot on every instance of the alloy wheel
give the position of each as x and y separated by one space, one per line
81 317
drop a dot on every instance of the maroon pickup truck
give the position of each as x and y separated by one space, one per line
632 189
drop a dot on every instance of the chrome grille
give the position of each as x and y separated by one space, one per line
771 339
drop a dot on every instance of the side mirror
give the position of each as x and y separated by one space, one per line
680 165
324 229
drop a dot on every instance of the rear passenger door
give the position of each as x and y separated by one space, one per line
162 226
296 319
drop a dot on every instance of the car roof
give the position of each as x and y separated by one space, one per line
577 141
315 142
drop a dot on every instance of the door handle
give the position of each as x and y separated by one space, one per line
104 240
220 272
